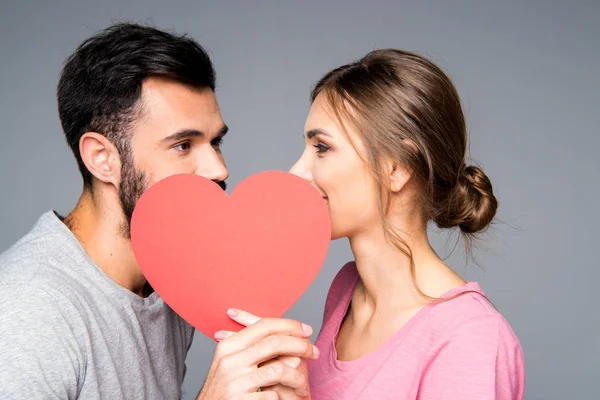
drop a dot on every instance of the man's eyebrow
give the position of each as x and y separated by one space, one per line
183 134
190 133
315 132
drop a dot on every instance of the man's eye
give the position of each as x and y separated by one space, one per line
321 148
185 146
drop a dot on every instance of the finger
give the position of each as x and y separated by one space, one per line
245 318
242 317
264 395
248 360
277 346
269 375
290 361
263 328
286 393
220 335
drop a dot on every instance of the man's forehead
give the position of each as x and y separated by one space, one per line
168 102
168 93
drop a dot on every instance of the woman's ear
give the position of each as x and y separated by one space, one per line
398 176
101 158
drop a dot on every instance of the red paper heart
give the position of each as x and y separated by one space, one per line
204 252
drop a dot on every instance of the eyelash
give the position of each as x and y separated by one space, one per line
321 148
217 142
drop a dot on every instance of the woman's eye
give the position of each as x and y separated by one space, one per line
217 142
321 148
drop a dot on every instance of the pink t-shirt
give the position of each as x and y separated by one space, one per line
461 349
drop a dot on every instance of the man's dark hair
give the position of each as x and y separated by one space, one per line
101 82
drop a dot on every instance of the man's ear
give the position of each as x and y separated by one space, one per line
101 158
399 175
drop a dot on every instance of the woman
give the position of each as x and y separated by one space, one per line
386 146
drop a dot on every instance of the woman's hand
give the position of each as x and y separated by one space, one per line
297 363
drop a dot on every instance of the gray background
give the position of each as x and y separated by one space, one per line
527 73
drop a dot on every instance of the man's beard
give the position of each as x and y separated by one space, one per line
133 184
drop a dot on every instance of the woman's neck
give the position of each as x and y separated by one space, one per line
385 273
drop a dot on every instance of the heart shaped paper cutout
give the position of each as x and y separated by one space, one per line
203 251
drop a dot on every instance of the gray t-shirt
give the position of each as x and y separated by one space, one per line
67 331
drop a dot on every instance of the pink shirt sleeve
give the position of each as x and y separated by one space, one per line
480 359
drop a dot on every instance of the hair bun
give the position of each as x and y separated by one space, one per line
472 205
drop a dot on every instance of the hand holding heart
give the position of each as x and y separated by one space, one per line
269 354
284 392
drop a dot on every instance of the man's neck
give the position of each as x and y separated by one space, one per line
97 222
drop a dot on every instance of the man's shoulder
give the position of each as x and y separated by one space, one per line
35 255
41 340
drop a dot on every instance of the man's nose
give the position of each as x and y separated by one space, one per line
212 166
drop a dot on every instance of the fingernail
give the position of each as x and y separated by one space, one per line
307 329
232 312
316 352
220 335
294 362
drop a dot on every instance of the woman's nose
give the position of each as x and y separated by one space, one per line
299 169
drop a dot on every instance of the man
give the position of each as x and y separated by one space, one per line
77 317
